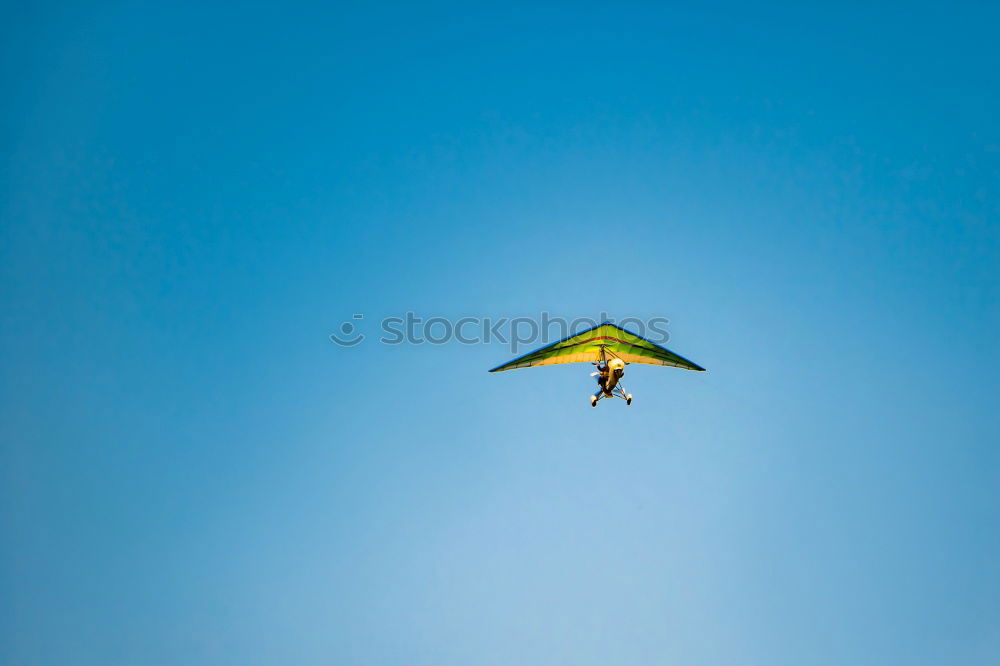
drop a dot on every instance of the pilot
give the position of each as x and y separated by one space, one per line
602 377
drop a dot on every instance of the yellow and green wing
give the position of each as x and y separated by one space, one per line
585 347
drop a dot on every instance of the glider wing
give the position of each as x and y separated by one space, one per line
585 347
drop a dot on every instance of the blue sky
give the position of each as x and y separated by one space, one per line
193 197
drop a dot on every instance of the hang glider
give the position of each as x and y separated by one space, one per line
608 346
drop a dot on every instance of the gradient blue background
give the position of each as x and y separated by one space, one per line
194 196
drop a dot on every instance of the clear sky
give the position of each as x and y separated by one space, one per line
193 196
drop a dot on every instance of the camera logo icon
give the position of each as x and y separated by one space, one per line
348 337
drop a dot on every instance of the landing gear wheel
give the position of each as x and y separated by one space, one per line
593 401
628 399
